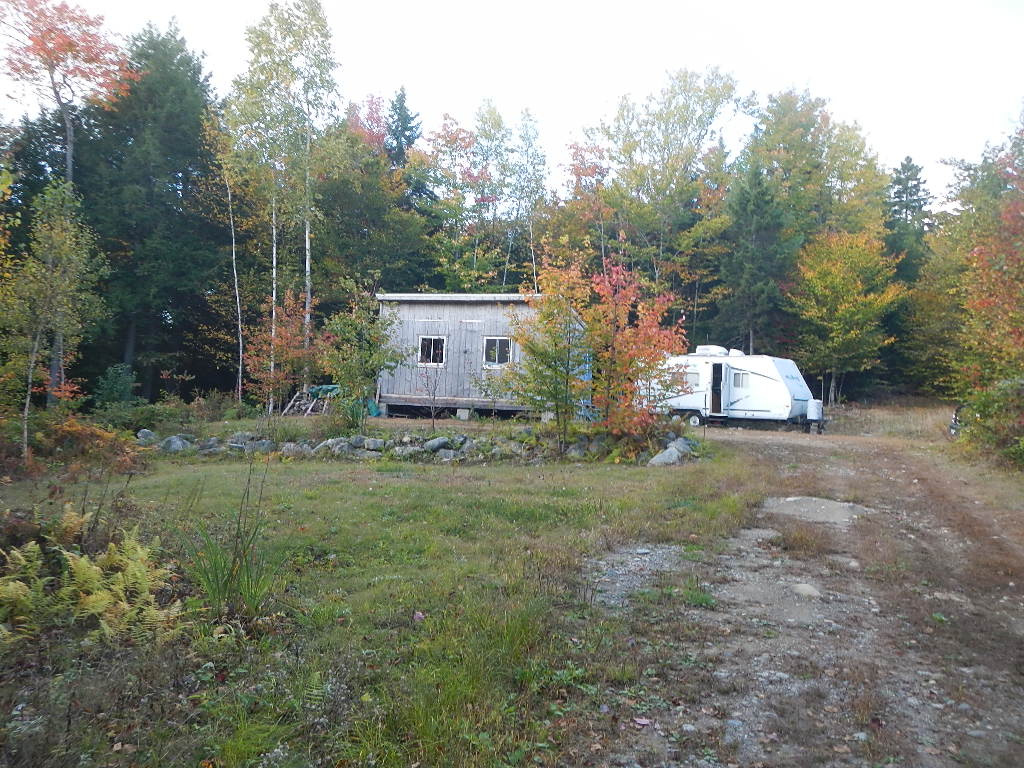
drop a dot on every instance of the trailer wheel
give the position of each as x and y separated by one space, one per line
694 419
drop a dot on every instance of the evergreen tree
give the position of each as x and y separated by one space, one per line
140 164
760 259
909 219
403 130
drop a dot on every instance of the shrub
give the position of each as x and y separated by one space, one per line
116 385
996 419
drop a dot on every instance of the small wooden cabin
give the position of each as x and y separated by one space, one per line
456 343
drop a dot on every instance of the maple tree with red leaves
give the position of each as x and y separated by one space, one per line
62 51
275 357
994 286
629 343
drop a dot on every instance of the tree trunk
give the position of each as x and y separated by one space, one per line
307 315
33 356
56 367
273 292
129 344
832 388
238 296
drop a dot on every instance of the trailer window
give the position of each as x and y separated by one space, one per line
497 350
431 350
740 379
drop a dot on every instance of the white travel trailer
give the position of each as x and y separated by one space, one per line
715 384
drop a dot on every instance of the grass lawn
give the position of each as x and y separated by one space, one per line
423 615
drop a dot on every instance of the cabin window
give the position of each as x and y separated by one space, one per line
740 379
432 350
497 350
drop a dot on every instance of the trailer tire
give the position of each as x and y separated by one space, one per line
694 419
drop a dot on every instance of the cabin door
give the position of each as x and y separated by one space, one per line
716 387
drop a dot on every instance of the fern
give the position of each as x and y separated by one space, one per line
111 596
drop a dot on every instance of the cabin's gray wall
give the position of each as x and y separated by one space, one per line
465 325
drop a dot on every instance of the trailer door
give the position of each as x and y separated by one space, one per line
716 388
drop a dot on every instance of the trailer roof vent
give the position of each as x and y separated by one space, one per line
736 353
711 349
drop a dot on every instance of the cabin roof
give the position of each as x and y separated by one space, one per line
455 297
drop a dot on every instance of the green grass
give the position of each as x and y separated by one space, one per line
424 614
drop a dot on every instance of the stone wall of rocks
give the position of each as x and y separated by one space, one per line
524 446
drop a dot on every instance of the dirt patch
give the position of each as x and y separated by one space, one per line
617 575
814 510
893 645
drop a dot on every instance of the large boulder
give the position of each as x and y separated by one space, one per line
174 444
264 446
407 451
683 445
666 458
437 444
373 444
296 450
330 446
357 441
147 437
446 454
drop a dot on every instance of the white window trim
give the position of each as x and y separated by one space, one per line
419 348
494 366
744 379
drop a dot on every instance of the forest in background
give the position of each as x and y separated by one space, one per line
150 224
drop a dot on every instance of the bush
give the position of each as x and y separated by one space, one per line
116 385
995 419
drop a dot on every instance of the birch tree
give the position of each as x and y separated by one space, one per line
52 293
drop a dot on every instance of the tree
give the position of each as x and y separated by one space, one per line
909 219
844 290
358 346
62 52
756 265
629 345
994 285
142 164
552 374
403 130
52 293
276 359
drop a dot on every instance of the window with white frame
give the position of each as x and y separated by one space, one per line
740 379
431 350
497 351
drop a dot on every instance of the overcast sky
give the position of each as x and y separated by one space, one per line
931 79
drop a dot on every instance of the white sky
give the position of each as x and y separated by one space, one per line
934 79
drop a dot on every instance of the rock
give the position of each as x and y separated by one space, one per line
805 590
188 437
296 450
446 454
328 445
470 446
174 444
373 444
342 448
682 445
264 446
242 437
147 437
437 444
208 444
688 728
407 451
357 441
458 441
216 450
362 453
577 451
860 736
666 458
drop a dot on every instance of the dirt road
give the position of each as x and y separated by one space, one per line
872 615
